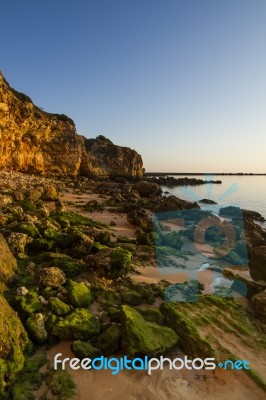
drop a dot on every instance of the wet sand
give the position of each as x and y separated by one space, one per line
161 385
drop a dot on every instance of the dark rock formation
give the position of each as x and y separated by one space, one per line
35 141
207 201
257 263
237 212
170 181
147 189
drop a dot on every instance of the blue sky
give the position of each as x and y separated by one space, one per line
182 82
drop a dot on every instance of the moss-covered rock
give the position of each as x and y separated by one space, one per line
68 265
48 292
13 339
30 229
49 193
190 339
28 206
68 218
36 328
80 324
51 322
151 314
108 298
109 340
52 276
172 239
59 307
142 337
29 303
104 237
130 296
54 235
83 349
97 246
146 291
17 242
145 238
79 294
42 244
8 264
114 313
120 262
79 244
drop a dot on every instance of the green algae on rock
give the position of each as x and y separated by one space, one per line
141 337
190 339
130 296
83 349
36 328
120 262
59 307
109 340
80 324
8 264
68 265
79 294
13 340
29 303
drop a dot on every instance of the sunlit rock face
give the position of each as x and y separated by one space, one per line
35 141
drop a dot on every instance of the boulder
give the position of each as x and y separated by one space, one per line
29 303
82 349
111 263
79 243
140 218
22 291
80 324
172 239
190 339
5 200
207 201
52 276
109 340
13 339
79 294
173 203
151 314
68 265
259 304
147 189
130 296
141 337
18 242
35 194
59 307
36 328
50 193
257 263
8 264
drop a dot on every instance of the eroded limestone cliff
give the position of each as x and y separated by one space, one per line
32 140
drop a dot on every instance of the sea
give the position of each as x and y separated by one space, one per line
245 191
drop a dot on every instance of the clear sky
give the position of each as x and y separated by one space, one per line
182 82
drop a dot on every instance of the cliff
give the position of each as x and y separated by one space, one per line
34 141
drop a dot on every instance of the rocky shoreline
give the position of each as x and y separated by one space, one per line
70 248
171 181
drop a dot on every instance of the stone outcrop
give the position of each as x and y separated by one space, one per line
257 263
35 141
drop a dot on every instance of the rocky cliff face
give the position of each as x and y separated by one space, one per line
35 141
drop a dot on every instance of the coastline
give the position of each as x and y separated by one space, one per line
104 204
